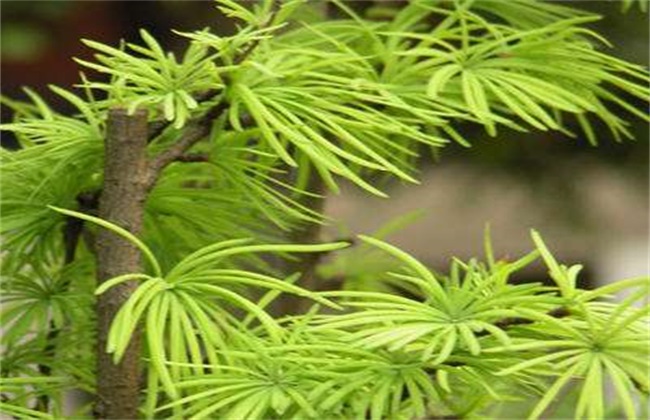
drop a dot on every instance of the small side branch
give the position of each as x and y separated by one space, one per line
193 157
195 131
156 128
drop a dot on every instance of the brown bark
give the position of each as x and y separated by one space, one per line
122 203
128 177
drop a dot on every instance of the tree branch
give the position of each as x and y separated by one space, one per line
193 157
127 179
156 128
195 131
199 128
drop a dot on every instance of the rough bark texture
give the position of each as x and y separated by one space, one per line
122 203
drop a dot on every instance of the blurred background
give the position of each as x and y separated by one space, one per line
589 203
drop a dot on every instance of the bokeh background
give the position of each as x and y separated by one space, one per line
589 203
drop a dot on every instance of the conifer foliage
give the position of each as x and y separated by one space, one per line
237 132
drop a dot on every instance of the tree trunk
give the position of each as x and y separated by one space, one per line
122 203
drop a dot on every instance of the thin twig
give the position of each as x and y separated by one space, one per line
193 157
156 128
192 134
199 128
